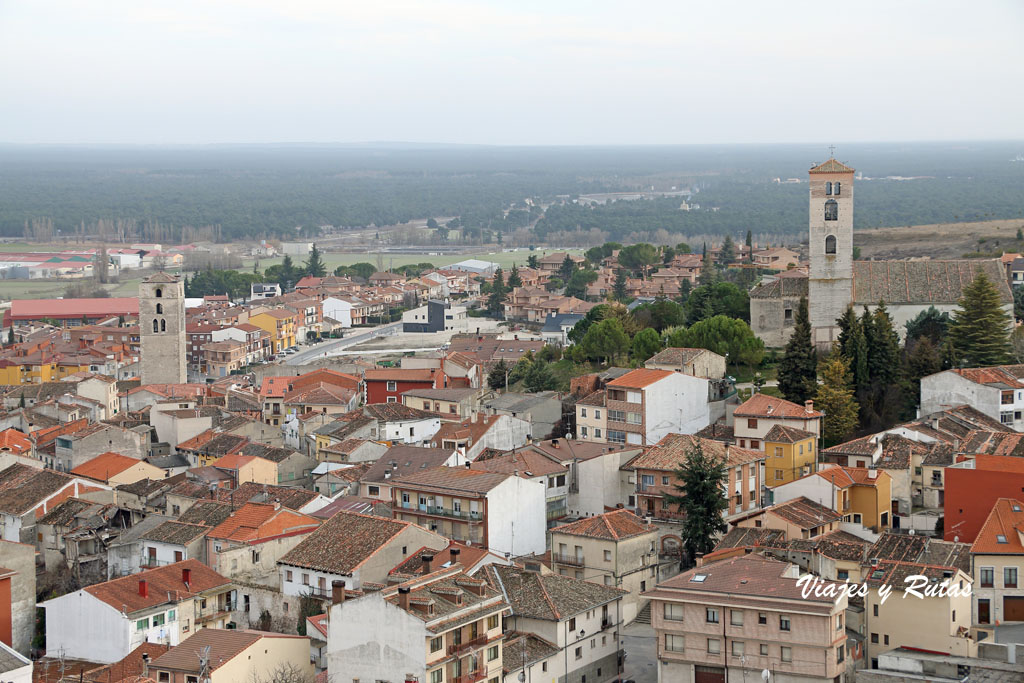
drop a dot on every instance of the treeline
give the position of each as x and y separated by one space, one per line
227 193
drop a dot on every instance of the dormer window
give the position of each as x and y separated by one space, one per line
831 210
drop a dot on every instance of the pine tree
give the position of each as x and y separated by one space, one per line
497 298
513 278
567 268
750 246
539 378
798 369
923 359
835 398
531 261
496 377
10 334
701 480
858 358
708 271
846 323
314 264
728 253
883 347
980 331
619 292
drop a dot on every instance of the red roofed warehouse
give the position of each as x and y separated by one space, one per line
71 311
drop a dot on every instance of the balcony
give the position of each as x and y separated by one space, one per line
557 512
209 614
574 560
148 562
460 648
471 677
447 512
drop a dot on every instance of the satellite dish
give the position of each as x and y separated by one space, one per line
765 675
911 532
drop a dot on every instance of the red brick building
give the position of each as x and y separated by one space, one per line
386 385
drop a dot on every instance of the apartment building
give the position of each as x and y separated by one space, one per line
441 627
655 477
230 656
503 512
997 391
861 495
755 417
644 405
732 619
790 453
614 549
997 556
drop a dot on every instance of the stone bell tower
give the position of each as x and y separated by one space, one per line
162 329
830 281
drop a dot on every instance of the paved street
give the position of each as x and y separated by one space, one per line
641 659
322 349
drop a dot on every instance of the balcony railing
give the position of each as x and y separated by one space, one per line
448 512
459 648
574 560
221 610
471 677
555 513
148 562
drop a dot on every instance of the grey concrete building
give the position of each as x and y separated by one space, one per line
542 410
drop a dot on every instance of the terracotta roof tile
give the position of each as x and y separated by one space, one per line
124 592
804 513
449 480
751 575
763 405
784 434
549 597
640 378
104 466
255 522
667 454
613 526
1003 531
343 543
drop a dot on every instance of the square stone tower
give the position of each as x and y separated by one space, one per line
162 329
830 281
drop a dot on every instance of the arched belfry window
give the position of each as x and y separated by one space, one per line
835 190
156 325
163 325
159 293
831 210
830 244
159 308
828 188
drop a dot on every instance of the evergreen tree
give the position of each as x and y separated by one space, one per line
496 377
497 299
750 246
21 401
567 268
883 347
728 253
846 323
930 323
531 261
798 369
314 264
835 398
922 359
287 273
646 343
980 331
10 334
858 357
606 341
708 272
701 480
513 278
539 378
619 291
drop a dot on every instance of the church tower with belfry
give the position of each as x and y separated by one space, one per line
162 329
830 279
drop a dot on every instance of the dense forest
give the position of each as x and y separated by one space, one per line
267 191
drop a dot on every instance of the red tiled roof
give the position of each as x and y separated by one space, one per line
123 593
616 525
638 379
13 441
1008 375
1001 534
104 466
34 309
850 476
804 513
258 521
831 166
670 452
763 405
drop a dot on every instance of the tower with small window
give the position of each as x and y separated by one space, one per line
162 329
830 281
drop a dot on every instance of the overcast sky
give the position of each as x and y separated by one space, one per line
512 72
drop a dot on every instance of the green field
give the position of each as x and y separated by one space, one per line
129 286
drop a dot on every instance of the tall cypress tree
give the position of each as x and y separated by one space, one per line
798 369
619 291
846 322
883 347
981 329
496 300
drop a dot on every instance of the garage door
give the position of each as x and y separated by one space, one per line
709 674
1013 608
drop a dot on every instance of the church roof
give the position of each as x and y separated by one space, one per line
831 166
162 277
923 282
794 286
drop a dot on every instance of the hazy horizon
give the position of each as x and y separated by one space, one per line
524 74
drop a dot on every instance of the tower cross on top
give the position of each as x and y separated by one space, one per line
831 150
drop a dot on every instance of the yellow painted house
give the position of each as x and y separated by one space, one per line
25 371
789 454
279 324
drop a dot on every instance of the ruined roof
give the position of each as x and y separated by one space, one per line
175 533
923 281
676 356
782 288
611 526
65 513
23 487
549 597
206 512
344 542
595 398
993 443
751 537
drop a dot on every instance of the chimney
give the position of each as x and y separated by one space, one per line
145 665
872 474
403 597
554 443
809 406
455 555
337 592
143 588
186 575
428 561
